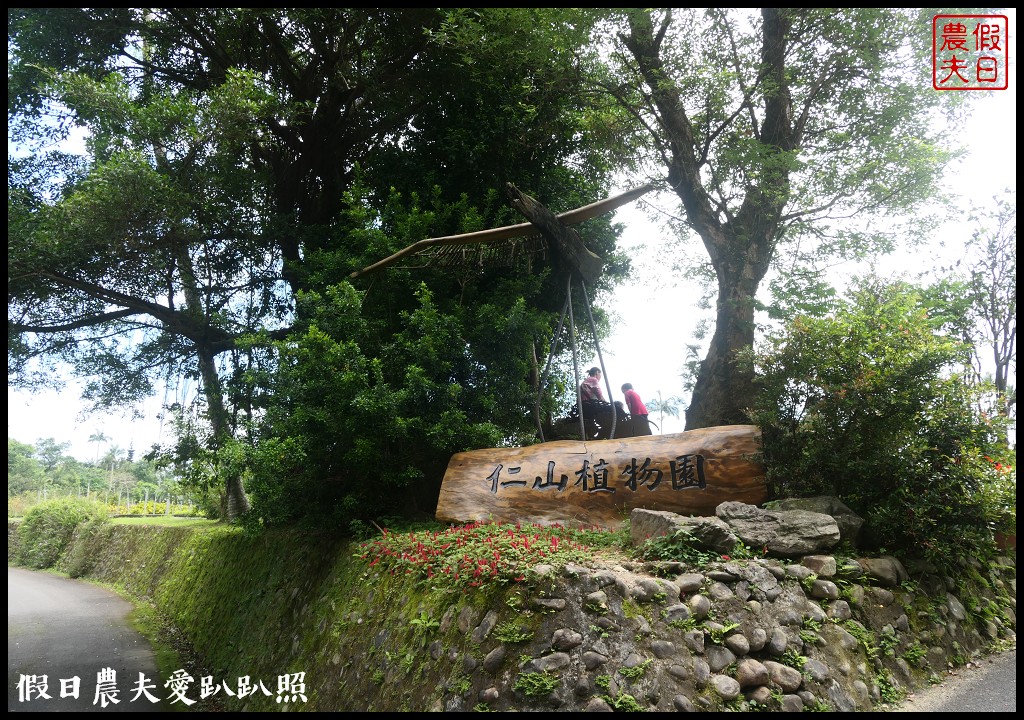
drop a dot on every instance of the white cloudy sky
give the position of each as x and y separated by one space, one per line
656 310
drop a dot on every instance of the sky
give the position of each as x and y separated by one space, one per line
657 311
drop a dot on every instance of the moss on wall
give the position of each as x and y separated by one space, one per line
367 640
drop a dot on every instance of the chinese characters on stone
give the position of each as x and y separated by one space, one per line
291 688
685 471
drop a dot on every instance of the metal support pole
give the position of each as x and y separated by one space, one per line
575 360
597 346
547 367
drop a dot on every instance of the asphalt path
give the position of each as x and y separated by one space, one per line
60 629
986 685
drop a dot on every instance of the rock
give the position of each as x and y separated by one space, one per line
708 532
886 570
726 687
784 533
848 522
750 673
787 678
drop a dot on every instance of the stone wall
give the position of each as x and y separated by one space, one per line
821 631
786 636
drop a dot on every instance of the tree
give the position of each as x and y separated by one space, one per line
98 437
239 158
665 406
976 301
50 452
24 471
773 137
112 461
871 404
991 258
154 259
164 235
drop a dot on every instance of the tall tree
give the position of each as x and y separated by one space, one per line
775 126
977 299
98 437
992 280
234 156
50 452
149 262
24 472
665 406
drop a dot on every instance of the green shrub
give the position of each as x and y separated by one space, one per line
637 671
680 546
373 396
624 702
914 653
536 684
47 529
999 489
511 632
873 405
718 634
794 659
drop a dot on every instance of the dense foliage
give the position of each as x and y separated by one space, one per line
239 165
871 404
379 415
47 528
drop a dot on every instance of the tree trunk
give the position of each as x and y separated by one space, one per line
236 503
740 243
724 388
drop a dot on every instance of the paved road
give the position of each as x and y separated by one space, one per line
61 629
990 685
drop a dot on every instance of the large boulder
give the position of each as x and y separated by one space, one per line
709 532
886 571
783 533
848 521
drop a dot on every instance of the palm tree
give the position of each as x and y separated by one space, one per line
664 406
98 437
112 458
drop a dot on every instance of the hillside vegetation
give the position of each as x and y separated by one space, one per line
524 618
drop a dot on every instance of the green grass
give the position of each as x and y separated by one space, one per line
164 521
147 621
